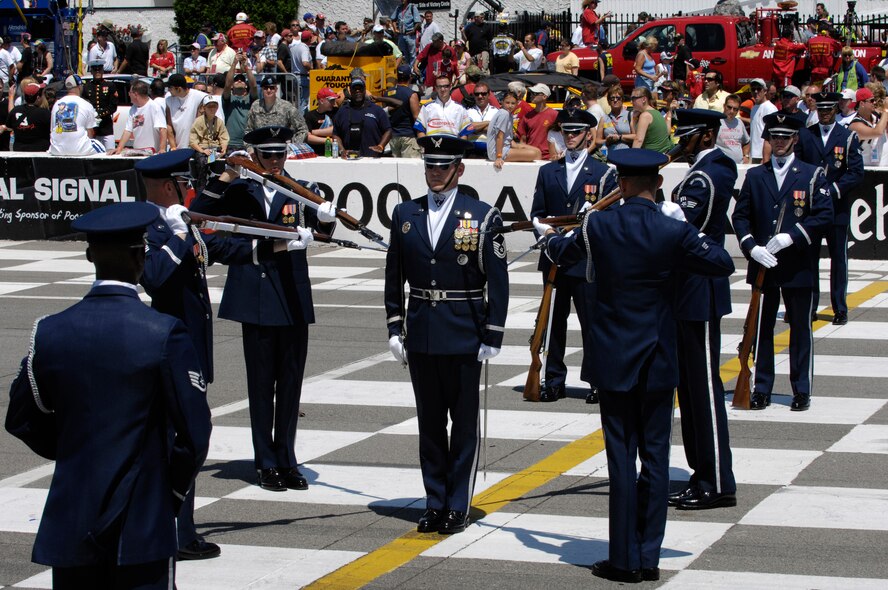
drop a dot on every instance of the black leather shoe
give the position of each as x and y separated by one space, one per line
759 400
552 394
430 521
701 500
270 479
198 549
840 318
603 569
800 402
676 497
294 479
650 574
454 522
592 396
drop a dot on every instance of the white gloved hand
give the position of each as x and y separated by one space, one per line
173 218
541 228
396 347
327 213
761 255
301 243
586 206
487 352
778 243
673 210
232 167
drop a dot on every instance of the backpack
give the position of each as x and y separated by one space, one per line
468 100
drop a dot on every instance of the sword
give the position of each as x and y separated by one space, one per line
536 246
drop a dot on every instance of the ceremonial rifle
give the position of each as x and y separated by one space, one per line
302 194
743 387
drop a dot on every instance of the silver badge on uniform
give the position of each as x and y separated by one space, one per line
405 228
462 260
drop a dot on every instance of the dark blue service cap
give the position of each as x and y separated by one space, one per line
573 119
443 148
637 161
174 163
120 222
781 124
271 139
827 100
691 121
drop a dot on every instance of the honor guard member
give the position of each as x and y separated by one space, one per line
779 217
703 197
102 95
837 150
176 260
271 299
636 253
440 246
566 187
103 385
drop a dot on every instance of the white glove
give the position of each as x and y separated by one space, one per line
397 349
327 213
673 210
586 206
301 243
542 228
761 255
778 243
487 352
232 167
173 218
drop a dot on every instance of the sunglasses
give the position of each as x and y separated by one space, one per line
711 79
442 85
615 99
481 93
637 97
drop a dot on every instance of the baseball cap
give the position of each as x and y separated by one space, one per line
321 16
848 94
793 90
758 82
307 16
404 70
241 17
32 89
540 89
73 81
237 78
327 93
26 36
378 29
666 56
195 45
286 32
218 36
306 35
357 82
864 94
207 100
259 34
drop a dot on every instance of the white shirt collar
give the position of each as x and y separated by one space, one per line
110 283
447 196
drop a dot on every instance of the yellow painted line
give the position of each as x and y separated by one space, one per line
408 546
731 369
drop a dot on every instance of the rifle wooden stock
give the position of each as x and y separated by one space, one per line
532 384
200 218
743 387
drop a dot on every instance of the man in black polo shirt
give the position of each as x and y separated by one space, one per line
478 35
135 60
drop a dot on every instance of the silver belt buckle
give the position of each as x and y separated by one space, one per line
436 295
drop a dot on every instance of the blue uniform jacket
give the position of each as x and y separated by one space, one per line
117 376
451 327
550 197
842 161
275 289
809 211
175 281
704 196
635 252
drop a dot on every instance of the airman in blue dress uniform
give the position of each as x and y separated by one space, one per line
636 253
787 250
454 320
836 149
103 384
703 196
566 187
271 299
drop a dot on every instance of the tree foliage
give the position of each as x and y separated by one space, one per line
190 15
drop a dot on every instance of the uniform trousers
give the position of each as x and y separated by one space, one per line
447 385
837 244
701 397
566 289
185 529
637 423
154 575
275 360
799 306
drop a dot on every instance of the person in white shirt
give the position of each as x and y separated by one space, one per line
73 122
732 138
300 56
847 107
145 123
7 64
442 115
529 57
481 115
428 28
762 108
195 63
104 51
181 110
221 57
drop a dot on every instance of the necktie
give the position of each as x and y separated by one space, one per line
824 129
439 199
781 162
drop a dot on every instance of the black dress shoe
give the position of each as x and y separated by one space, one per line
198 549
840 318
800 402
650 574
270 479
592 396
759 400
604 569
552 394
293 479
702 500
430 521
454 522
675 497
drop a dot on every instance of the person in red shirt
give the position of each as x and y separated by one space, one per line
823 53
590 22
785 55
430 58
240 36
473 74
533 129
694 81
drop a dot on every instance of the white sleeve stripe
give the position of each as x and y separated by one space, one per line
804 233
173 256
256 252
